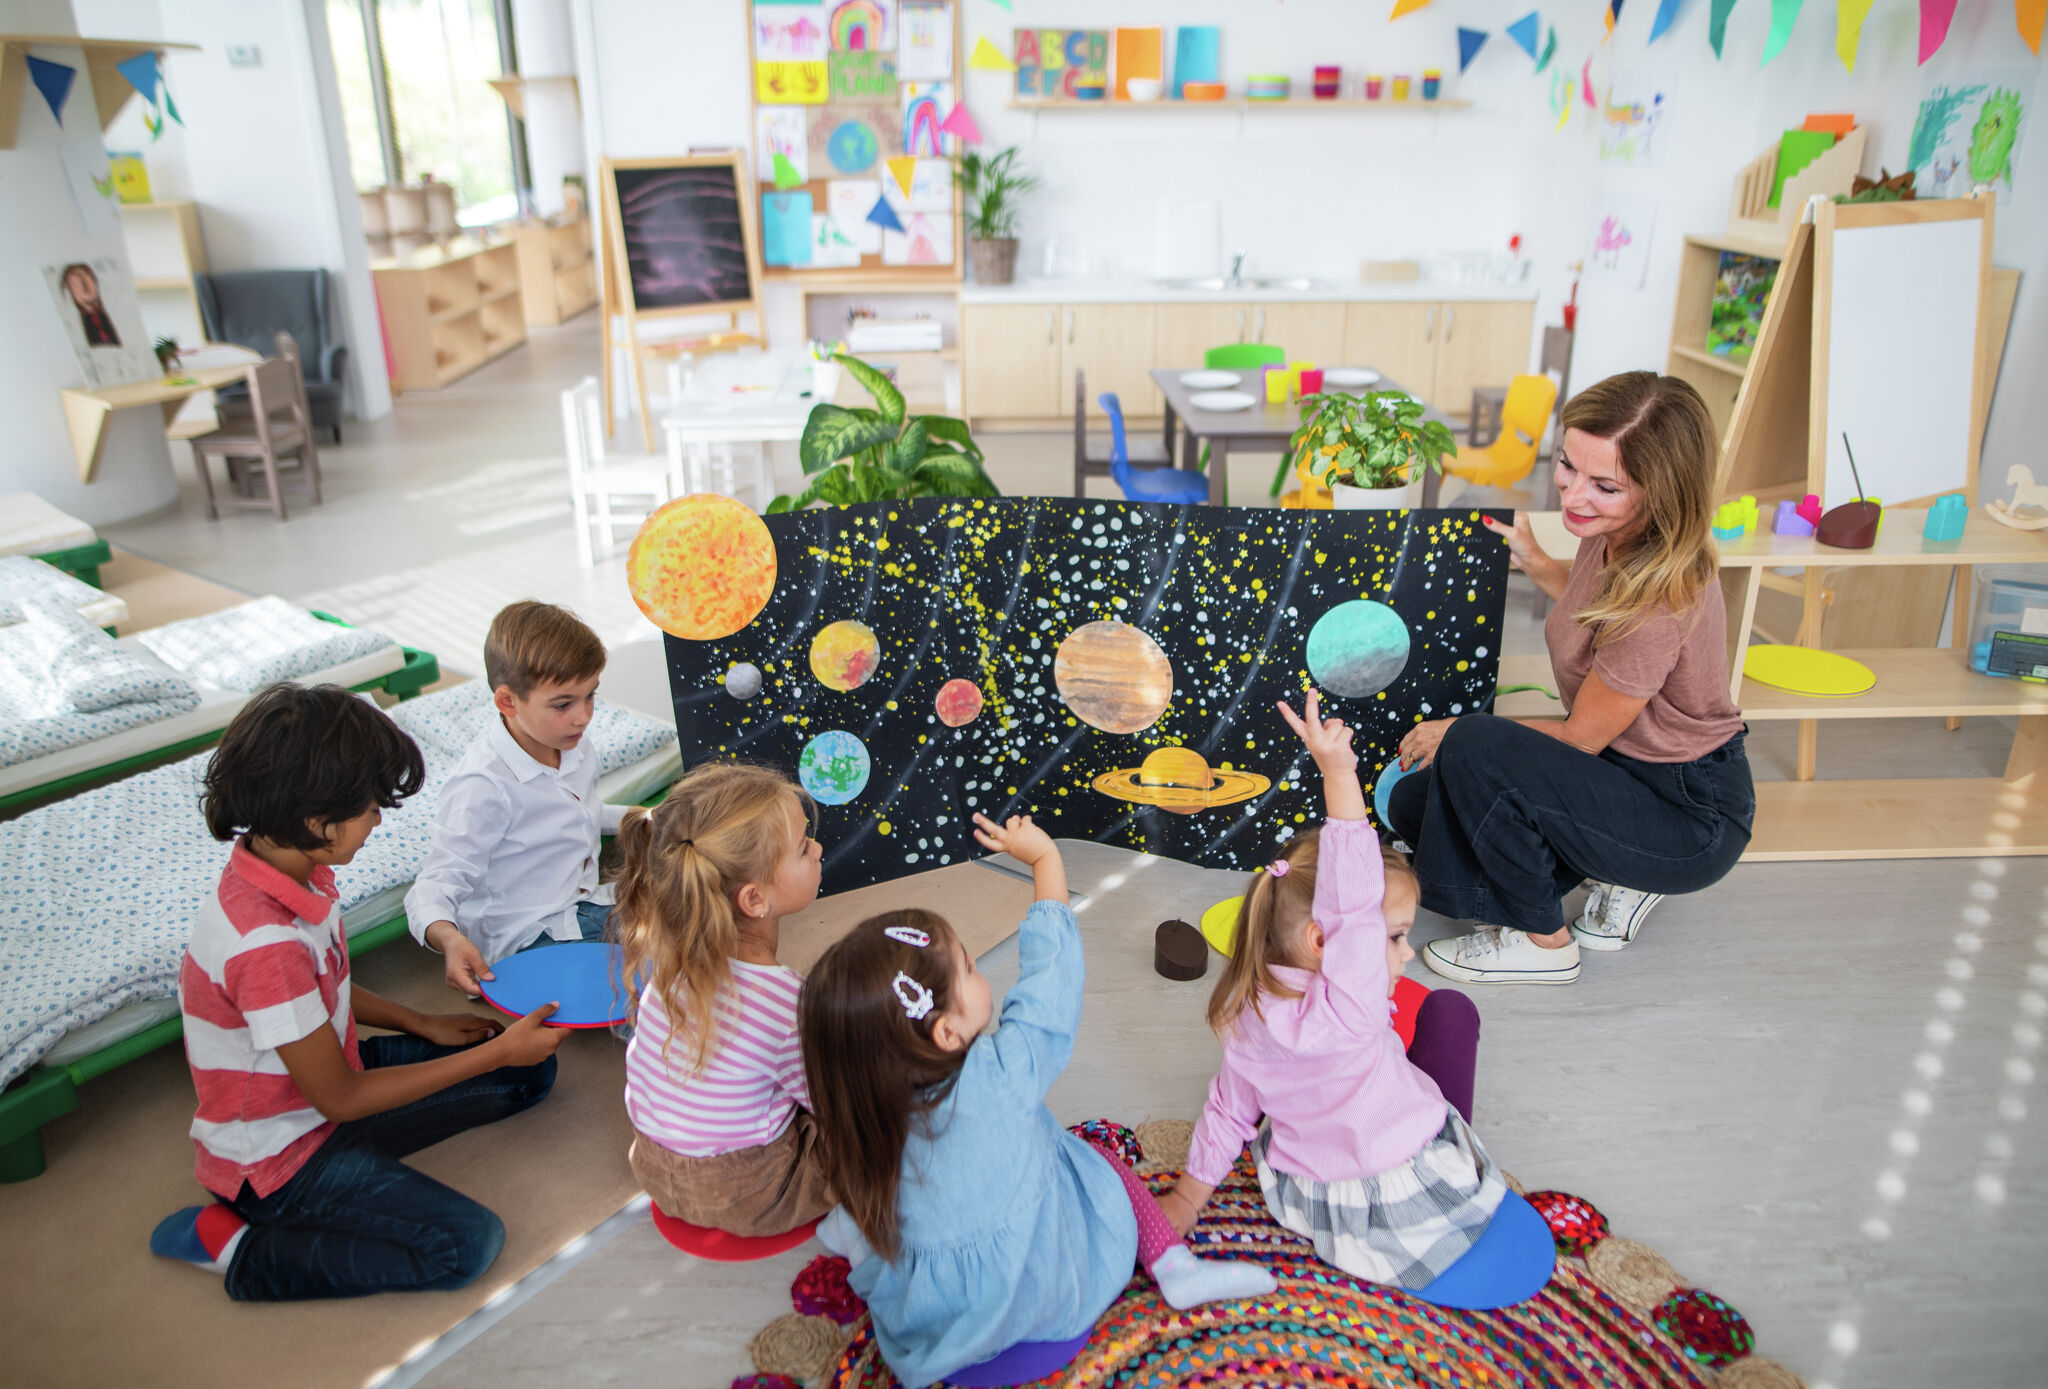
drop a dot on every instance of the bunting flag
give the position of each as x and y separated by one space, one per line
1549 51
961 125
884 216
1005 4
903 168
1849 16
146 77
1934 18
988 57
2028 14
53 80
1470 41
786 175
1667 10
1402 7
1717 23
1561 94
1586 84
1613 13
1523 30
1784 14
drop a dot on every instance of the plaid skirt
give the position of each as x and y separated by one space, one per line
1405 1226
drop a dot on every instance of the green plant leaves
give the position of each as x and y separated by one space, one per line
910 447
832 433
951 475
953 432
887 397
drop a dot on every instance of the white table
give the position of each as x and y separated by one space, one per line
732 406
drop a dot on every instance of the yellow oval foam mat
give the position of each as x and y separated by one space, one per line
1219 925
1803 670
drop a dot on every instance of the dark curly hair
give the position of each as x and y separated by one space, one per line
298 756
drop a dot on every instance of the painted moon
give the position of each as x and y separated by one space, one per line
844 655
1357 649
702 567
834 767
958 703
743 681
1113 677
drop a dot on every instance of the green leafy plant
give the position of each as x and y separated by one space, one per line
993 186
1372 441
167 353
882 453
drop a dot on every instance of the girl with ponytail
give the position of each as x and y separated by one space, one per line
715 1082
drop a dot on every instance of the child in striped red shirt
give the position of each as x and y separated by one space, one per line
715 1074
302 1124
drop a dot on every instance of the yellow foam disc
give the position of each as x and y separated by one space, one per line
1219 925
1803 670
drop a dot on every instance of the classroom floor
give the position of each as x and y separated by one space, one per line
1810 1088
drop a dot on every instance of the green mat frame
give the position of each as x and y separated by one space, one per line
81 561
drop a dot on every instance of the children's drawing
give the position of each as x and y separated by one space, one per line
1968 133
1637 105
852 140
924 49
802 84
930 190
926 239
925 106
863 26
1621 238
862 79
102 321
786 228
1110 668
848 200
782 130
1741 289
832 246
789 33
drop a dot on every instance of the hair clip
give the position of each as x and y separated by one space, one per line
915 997
1278 867
909 935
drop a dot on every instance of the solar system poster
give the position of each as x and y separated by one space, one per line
1109 668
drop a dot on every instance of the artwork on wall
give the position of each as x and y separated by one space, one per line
1968 131
863 26
785 131
102 321
924 47
929 187
925 108
1110 668
802 84
786 228
1636 108
683 233
789 34
848 201
862 78
1741 289
832 245
1620 247
852 140
926 239
1059 62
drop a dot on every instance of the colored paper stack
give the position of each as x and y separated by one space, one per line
1266 86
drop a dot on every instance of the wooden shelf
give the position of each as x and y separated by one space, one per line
1913 817
496 295
936 278
1899 542
1912 682
1705 358
163 282
1740 244
1291 104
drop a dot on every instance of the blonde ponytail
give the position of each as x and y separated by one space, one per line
1275 910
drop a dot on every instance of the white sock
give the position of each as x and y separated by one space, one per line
1186 1281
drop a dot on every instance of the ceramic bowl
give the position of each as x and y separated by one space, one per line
1092 92
1144 88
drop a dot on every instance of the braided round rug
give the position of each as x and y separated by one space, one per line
1326 1328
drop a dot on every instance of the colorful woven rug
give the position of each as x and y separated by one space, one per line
1613 1315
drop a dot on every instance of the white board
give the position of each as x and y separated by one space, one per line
1902 353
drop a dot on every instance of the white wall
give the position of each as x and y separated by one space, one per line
262 151
554 123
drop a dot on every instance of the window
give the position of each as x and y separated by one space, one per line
439 115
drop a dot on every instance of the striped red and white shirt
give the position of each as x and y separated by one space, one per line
266 966
749 1088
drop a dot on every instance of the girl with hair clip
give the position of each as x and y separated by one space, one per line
715 1082
1359 1151
972 1219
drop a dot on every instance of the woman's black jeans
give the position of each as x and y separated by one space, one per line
1508 819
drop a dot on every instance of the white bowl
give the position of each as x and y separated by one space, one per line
1144 88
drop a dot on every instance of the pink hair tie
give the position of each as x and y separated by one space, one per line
1278 868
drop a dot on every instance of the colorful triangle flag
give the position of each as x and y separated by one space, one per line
1717 23
1934 18
1470 41
1586 83
1613 13
1561 94
141 74
1402 7
959 123
1549 50
1784 14
1667 10
786 175
2028 14
1003 3
1849 17
902 168
53 80
988 57
1523 32
884 216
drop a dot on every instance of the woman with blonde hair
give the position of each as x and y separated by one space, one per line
1643 788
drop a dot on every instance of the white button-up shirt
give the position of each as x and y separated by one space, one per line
515 847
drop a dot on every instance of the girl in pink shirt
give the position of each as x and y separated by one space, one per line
1359 1151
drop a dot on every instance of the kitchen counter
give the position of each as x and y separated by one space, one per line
1137 290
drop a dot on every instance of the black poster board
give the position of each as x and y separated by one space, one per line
682 234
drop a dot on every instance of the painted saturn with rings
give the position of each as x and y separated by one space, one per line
1180 780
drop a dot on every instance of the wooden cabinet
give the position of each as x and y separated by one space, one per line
1011 361
1308 332
1478 344
449 310
1113 344
1396 340
556 279
1186 331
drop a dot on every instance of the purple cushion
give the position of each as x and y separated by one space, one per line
1020 1364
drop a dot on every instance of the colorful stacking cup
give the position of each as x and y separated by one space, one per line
1432 83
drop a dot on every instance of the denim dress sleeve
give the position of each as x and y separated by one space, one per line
1351 884
1043 1011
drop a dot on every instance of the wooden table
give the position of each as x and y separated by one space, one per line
87 411
1262 428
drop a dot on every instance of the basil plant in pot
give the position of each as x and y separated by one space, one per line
1369 448
993 186
882 452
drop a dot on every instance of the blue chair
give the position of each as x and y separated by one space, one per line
1146 484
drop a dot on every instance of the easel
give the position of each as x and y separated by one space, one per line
617 301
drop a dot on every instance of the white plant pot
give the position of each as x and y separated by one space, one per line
1351 498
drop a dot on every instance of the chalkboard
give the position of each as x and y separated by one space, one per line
683 233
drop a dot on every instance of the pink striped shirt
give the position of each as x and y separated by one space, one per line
749 1088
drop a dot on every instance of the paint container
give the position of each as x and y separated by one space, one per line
1400 87
1327 81
1374 86
1432 83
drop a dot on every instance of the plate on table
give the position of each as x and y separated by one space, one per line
1223 400
1209 380
1349 376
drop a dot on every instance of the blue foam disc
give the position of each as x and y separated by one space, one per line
1383 790
580 975
1020 1364
1510 1264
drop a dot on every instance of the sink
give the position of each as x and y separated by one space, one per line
1199 282
1281 282
1291 282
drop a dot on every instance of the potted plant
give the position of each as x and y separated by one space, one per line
993 186
882 453
167 354
1368 448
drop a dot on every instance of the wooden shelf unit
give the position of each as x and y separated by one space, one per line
557 275
165 250
449 310
1717 379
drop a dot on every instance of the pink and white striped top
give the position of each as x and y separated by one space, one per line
748 1090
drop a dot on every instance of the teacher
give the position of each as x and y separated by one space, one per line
1644 787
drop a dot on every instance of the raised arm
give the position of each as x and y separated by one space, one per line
1043 1009
1329 743
1350 877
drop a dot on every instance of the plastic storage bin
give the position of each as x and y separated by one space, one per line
2009 628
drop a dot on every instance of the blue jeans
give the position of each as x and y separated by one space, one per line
590 920
356 1220
1507 820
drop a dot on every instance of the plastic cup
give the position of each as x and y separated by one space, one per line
1276 385
1401 88
1432 83
1294 371
1312 381
1373 87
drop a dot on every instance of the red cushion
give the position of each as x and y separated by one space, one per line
726 1248
1408 996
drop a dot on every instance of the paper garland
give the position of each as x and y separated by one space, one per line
1934 20
1717 23
146 77
1470 41
884 216
988 57
903 169
2028 14
786 176
961 124
1607 19
1849 17
1402 7
1523 32
1586 84
53 80
1549 50
1667 10
1784 14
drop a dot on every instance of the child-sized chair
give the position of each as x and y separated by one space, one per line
1146 484
1244 356
1524 415
594 481
1087 462
279 425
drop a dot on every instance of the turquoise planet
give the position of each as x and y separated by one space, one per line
1357 649
834 767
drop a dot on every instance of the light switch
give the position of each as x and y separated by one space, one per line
244 55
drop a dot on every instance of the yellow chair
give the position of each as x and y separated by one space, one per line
1312 495
1524 415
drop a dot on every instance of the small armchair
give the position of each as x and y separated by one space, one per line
250 307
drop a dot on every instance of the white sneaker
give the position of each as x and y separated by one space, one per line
1613 917
1501 955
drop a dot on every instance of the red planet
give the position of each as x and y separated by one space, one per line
958 703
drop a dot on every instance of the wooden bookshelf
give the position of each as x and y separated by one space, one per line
557 276
448 310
